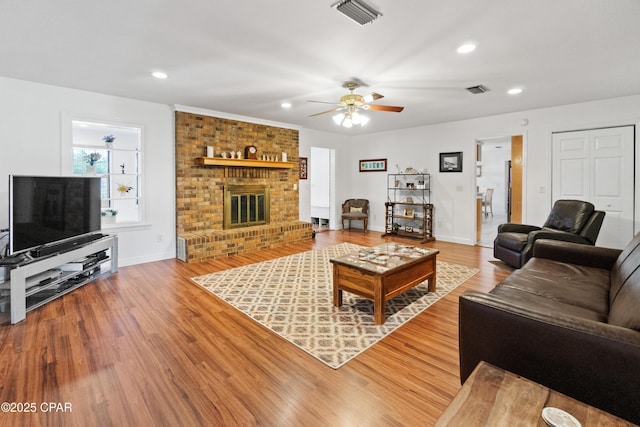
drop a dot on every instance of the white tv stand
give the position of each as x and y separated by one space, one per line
23 299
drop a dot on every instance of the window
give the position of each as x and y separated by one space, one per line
113 152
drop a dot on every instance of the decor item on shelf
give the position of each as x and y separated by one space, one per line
304 164
374 165
420 185
350 106
284 156
123 188
408 212
223 155
108 139
91 160
409 199
239 155
122 167
210 152
232 154
411 185
451 162
395 226
109 216
408 229
410 170
251 152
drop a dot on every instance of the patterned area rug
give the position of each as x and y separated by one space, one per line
293 296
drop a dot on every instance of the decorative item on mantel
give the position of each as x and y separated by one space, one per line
108 139
210 152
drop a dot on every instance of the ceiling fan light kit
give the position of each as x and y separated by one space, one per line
357 10
352 104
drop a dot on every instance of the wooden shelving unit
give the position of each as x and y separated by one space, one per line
408 210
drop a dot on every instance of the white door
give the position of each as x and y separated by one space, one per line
598 166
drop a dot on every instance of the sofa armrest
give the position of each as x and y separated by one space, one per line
590 361
517 228
580 254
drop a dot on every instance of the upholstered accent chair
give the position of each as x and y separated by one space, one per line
355 209
570 221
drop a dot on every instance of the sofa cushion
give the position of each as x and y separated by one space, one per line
513 241
554 287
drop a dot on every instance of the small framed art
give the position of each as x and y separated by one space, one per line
408 213
451 162
304 167
373 165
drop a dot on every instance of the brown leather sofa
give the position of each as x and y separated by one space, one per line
568 319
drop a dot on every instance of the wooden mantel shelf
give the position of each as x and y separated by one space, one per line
247 163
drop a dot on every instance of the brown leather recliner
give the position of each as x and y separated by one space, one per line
573 221
356 209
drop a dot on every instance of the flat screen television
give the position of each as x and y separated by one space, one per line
51 210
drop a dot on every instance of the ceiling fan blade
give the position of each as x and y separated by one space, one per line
325 112
386 108
324 102
372 97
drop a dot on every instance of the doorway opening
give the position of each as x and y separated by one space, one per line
498 184
322 188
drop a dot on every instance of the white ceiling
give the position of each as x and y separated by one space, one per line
245 57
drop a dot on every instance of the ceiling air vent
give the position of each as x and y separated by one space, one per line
357 10
477 89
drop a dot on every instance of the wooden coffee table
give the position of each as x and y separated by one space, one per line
383 272
494 397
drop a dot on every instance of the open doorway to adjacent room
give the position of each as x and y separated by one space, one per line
322 187
499 185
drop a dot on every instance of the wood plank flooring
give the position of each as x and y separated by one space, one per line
147 347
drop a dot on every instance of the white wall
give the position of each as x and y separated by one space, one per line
453 194
31 132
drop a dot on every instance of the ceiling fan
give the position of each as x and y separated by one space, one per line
351 105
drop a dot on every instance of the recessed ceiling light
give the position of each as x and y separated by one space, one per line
514 91
159 75
286 105
466 48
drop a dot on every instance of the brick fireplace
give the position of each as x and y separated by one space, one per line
200 189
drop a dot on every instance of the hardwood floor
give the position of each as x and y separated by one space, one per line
147 346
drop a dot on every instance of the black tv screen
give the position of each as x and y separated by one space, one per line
50 209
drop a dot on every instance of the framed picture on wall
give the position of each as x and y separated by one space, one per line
304 167
451 162
374 165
